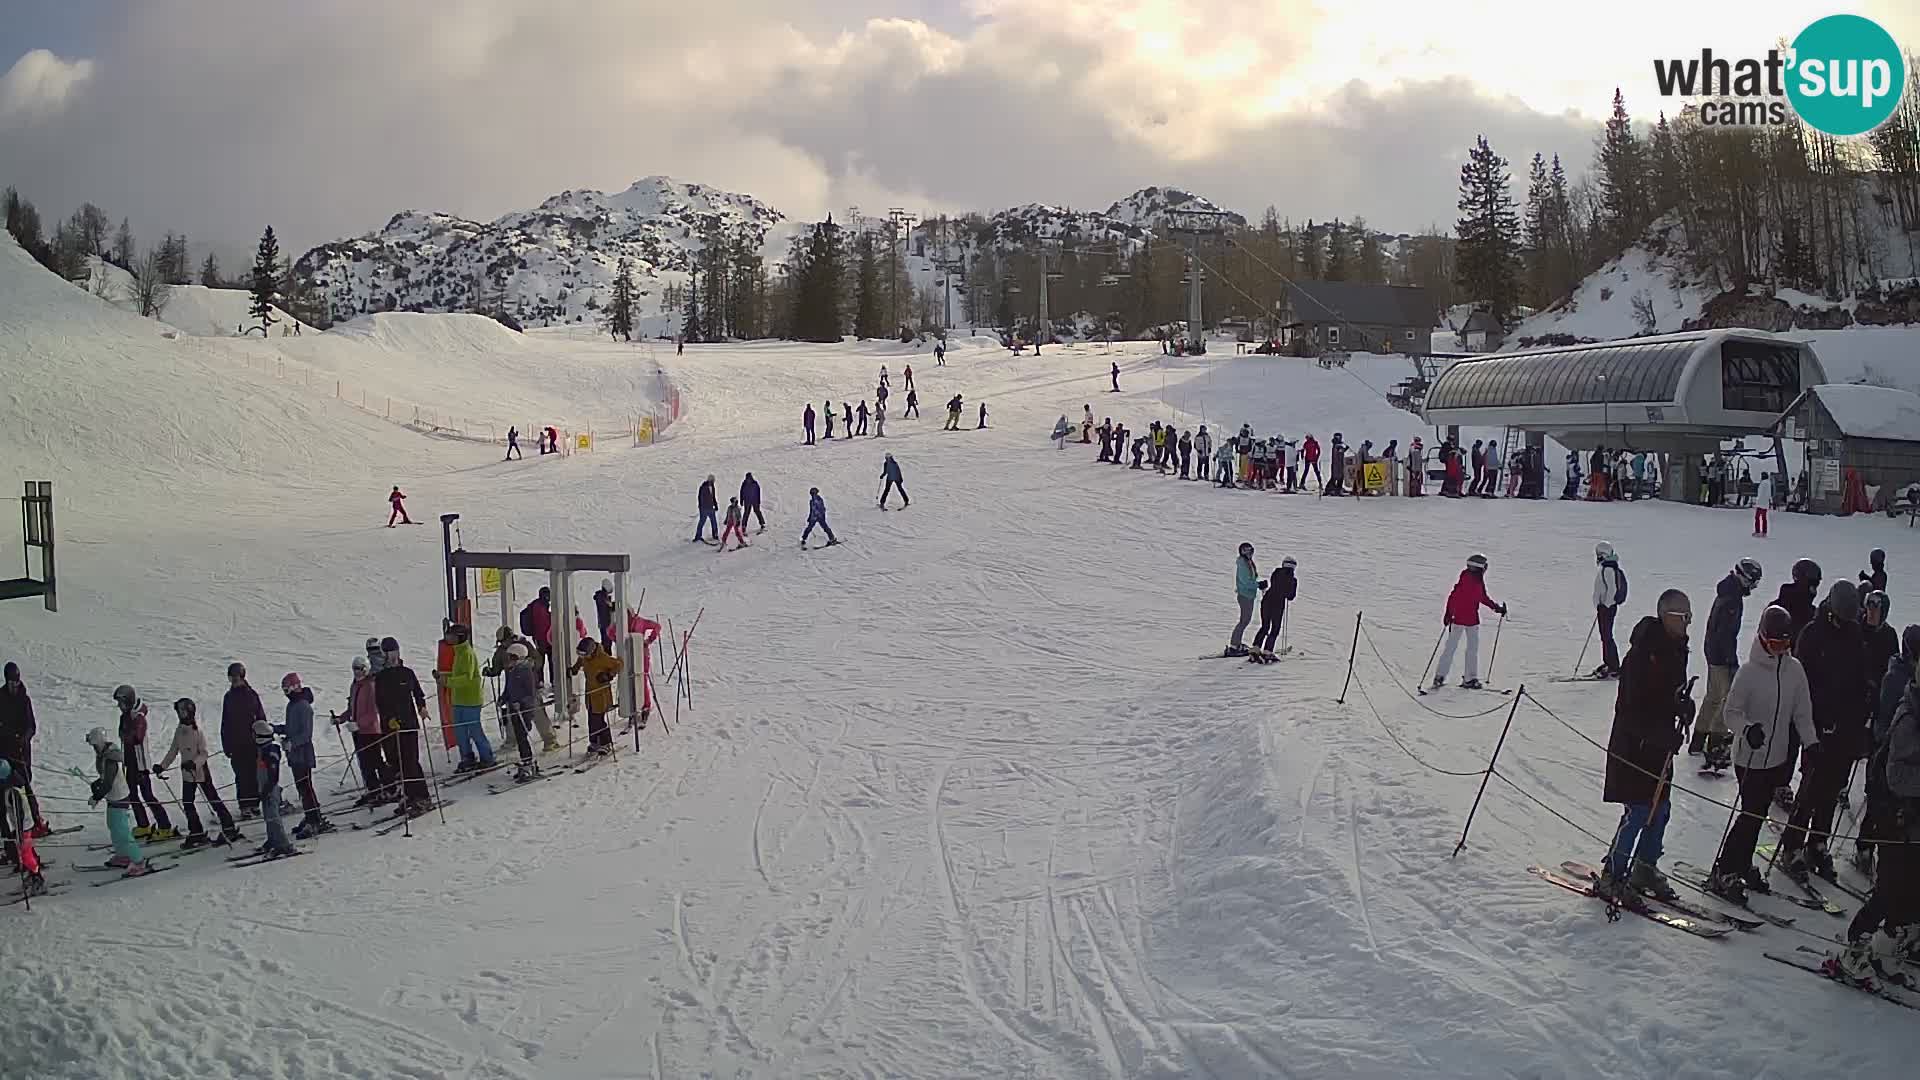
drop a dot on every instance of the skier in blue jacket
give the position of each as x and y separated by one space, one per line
267 775
817 515
298 733
1246 588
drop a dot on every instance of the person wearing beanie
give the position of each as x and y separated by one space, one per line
196 777
239 711
603 610
1651 712
267 756
110 786
402 704
17 728
1833 651
709 502
300 756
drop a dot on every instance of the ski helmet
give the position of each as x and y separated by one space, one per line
1288 563
585 646
1876 557
1879 601
290 681
503 635
1748 571
1843 599
262 731
98 738
236 670
1910 643
1603 551
460 632
359 665
1806 572
1246 549
1776 630
517 651
186 710
813 491
126 696
1477 562
606 583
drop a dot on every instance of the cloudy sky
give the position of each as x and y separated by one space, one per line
217 116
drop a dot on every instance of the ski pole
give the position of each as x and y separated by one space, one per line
1351 654
1431 655
1496 645
1284 647
1583 648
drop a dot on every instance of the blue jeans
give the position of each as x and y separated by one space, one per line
1635 829
270 809
707 518
471 737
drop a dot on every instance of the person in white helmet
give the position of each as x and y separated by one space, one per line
1462 620
110 786
1609 592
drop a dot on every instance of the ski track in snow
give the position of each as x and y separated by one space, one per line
955 799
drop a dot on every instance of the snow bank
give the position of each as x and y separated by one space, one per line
206 312
1872 412
1603 306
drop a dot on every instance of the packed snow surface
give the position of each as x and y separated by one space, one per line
956 798
1872 412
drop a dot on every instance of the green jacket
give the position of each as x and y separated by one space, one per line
463 682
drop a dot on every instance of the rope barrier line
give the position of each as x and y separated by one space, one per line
1395 679
1361 685
1675 786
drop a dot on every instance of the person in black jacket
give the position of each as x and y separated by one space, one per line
1875 579
1273 610
1879 641
1722 643
1877 820
17 728
1650 713
750 502
1831 650
710 507
401 701
239 711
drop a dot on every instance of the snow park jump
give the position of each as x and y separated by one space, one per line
750 651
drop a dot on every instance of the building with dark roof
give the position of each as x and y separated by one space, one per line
1318 316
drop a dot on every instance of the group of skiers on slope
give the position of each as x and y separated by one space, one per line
549 442
1826 681
526 661
1248 587
853 415
747 504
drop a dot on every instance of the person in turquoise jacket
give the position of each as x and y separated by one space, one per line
1246 589
469 694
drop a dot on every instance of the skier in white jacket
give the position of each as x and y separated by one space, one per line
1609 589
1490 486
1770 698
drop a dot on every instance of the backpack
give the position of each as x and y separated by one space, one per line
526 620
1621 596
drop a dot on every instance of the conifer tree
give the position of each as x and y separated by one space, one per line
690 325
1623 177
1489 232
1668 181
123 253
1370 263
867 320
210 272
1338 257
266 280
1312 253
620 308
1539 255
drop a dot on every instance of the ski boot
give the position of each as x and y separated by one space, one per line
1471 684
143 832
1235 650
139 869
549 746
1906 943
1819 862
35 885
117 859
1697 745
1611 889
162 833
1795 866
41 831
1438 682
1727 887
466 766
1783 797
194 840
1862 860
1718 755
1755 881
1647 879
526 774
1603 672
1855 962
230 836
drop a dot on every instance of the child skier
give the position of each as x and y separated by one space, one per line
196 777
519 699
298 731
267 776
133 741
1462 622
599 668
399 503
110 785
1273 612
732 527
890 474
816 515
19 849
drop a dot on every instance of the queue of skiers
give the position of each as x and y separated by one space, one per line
854 417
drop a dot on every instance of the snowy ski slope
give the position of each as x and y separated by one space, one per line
957 799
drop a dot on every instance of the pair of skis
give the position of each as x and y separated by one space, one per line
1423 691
152 868
1633 903
1829 968
1697 878
1587 872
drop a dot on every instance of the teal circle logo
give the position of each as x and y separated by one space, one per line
1847 75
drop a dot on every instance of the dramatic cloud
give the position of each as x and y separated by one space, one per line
218 116
39 85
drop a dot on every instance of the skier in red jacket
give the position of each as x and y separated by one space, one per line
1463 621
1310 461
399 503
